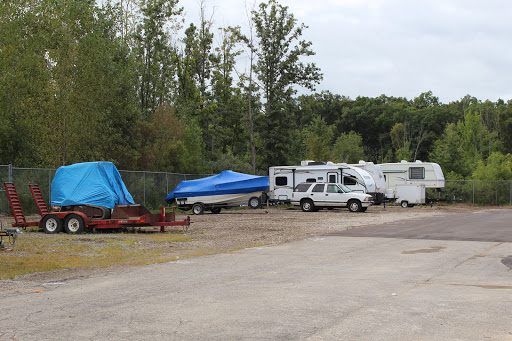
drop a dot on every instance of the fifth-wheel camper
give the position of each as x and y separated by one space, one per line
283 179
404 177
377 175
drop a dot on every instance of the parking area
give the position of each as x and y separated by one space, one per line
412 280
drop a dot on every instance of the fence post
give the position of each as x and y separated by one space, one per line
49 187
473 192
144 188
9 173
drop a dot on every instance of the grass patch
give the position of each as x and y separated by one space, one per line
39 252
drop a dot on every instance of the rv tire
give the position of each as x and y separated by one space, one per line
216 210
198 208
404 204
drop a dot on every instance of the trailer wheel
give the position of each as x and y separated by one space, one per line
354 206
307 205
51 224
404 204
198 208
363 209
216 210
74 224
254 202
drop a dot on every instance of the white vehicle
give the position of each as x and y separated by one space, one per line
313 196
410 195
402 175
377 175
413 173
283 179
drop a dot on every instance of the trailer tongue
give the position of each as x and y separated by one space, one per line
77 221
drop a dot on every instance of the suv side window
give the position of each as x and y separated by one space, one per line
319 188
332 189
302 187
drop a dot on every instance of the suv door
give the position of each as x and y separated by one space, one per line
335 196
317 194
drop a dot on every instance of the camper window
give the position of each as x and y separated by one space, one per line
319 188
302 187
281 181
417 173
347 181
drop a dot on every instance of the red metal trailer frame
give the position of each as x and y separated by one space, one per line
76 222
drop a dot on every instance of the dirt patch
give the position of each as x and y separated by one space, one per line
231 230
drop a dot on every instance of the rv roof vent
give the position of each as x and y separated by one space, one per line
361 162
418 161
403 161
330 163
316 163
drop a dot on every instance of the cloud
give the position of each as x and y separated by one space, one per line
401 48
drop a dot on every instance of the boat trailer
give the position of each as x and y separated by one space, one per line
77 222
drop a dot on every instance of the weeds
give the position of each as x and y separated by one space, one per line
38 252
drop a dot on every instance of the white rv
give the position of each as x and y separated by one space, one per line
377 175
283 179
417 174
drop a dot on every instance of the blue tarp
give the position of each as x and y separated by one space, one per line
227 182
89 183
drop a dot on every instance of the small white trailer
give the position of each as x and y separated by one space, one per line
410 195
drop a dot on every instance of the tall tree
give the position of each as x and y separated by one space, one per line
279 69
155 52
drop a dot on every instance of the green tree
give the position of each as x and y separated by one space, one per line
317 140
155 54
278 68
349 148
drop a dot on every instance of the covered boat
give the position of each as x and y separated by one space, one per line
224 190
97 185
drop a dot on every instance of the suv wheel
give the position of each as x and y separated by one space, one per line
354 206
307 205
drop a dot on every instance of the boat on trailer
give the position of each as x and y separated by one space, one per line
214 193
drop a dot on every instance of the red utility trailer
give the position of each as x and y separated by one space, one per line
77 222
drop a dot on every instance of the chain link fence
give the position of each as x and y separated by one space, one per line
151 188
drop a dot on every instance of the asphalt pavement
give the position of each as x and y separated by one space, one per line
445 278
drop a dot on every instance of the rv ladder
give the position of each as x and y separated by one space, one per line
38 198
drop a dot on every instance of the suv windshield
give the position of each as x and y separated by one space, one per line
345 188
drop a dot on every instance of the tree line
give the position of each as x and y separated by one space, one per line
131 82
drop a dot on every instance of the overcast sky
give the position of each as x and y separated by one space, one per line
399 48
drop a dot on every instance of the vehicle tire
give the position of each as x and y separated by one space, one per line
404 204
216 210
51 224
363 209
254 202
307 205
354 205
198 208
74 224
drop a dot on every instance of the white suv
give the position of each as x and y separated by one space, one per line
311 196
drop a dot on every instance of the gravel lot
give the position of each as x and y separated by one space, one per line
242 228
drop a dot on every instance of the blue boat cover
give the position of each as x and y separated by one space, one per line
227 182
89 183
